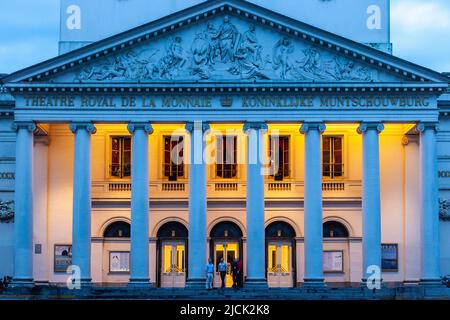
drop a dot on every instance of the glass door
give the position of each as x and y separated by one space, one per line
229 251
279 264
173 269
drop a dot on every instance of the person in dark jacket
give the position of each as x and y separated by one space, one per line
235 272
223 271
240 268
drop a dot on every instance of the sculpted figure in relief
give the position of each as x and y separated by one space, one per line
227 37
225 53
248 59
202 51
174 60
281 56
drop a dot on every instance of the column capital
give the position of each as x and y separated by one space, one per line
88 126
306 126
146 126
422 126
365 126
190 126
30 126
255 126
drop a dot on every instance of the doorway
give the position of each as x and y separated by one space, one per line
172 255
229 251
280 255
226 243
173 269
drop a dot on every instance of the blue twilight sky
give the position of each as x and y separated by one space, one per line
29 31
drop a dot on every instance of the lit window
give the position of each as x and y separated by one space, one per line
173 157
333 166
279 157
120 157
226 165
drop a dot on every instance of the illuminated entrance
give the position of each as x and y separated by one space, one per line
280 259
226 243
172 239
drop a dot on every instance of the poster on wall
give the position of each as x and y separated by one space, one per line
63 257
389 257
119 261
333 261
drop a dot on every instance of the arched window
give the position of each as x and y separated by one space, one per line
118 229
280 229
334 229
226 229
172 229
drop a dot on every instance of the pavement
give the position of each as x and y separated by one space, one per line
96 292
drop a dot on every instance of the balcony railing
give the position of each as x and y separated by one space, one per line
119 186
173 186
333 186
279 186
225 189
226 186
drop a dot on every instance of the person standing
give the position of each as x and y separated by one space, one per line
240 268
223 271
234 270
209 274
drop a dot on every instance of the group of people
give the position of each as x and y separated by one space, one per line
236 271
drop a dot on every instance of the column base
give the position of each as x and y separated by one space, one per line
431 283
314 283
139 283
256 284
196 284
22 283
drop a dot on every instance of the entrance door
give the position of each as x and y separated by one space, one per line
228 251
279 264
173 270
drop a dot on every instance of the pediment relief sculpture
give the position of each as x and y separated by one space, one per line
223 50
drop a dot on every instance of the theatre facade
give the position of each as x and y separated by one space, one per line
225 131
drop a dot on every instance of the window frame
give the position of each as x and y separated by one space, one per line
163 158
332 156
289 162
109 151
225 137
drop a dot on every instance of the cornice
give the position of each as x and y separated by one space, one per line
227 88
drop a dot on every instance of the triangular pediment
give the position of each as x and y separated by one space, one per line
224 48
225 41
